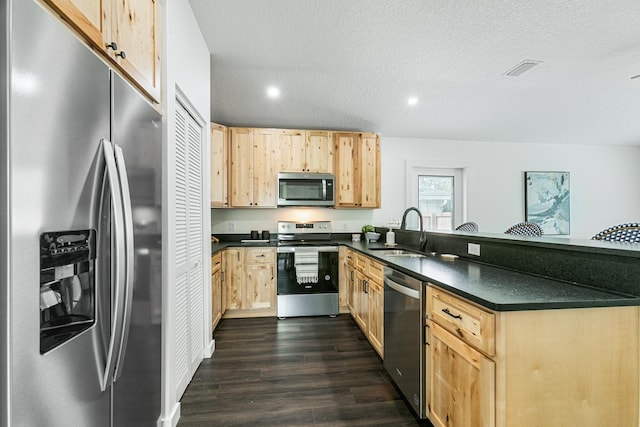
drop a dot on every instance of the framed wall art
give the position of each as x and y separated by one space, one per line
547 201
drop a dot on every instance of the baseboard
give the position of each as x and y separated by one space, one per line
172 419
239 314
210 349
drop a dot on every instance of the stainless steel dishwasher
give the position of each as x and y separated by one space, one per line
403 336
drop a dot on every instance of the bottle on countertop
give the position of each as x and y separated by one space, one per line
390 239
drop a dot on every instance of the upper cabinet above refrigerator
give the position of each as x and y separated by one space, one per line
127 32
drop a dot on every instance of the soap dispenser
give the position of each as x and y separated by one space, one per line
390 238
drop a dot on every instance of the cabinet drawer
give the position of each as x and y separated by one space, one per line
350 257
463 319
361 263
261 255
375 270
216 262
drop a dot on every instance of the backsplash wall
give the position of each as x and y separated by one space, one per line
224 221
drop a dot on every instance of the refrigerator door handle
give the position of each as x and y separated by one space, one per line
129 260
119 263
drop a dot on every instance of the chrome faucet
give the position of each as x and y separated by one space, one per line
423 238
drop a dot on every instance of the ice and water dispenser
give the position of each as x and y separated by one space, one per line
67 285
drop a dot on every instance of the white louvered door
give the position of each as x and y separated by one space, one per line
194 232
189 282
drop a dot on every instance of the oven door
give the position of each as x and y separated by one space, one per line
307 270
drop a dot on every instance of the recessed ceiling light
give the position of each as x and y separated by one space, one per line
412 101
273 92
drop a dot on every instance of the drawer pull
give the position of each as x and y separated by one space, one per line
455 316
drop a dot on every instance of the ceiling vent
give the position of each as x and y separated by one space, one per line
522 67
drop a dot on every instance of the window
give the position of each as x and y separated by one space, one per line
438 195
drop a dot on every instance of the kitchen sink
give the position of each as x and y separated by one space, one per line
399 253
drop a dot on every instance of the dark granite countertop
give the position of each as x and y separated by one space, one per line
496 288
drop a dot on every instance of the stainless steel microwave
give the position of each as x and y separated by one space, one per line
305 189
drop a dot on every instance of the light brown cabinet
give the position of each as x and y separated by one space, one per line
531 368
365 283
216 289
305 151
219 169
343 290
361 302
254 158
375 324
357 169
234 278
126 32
257 155
369 162
250 282
350 285
223 284
260 278
462 383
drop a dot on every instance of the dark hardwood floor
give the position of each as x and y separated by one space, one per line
307 371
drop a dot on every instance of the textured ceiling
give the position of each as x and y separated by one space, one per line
352 65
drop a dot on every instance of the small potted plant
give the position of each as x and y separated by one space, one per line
370 234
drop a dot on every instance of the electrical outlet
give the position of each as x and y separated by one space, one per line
473 249
232 226
344 226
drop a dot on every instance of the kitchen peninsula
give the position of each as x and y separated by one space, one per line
513 348
553 351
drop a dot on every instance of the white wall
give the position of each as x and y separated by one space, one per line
185 68
604 186
603 179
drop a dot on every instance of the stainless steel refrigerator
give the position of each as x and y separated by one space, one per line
80 233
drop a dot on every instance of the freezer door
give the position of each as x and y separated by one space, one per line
59 113
136 130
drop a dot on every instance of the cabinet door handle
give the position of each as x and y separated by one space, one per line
260 256
455 316
114 46
426 335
